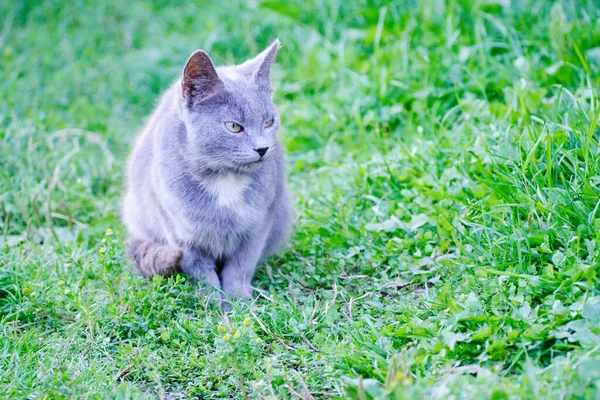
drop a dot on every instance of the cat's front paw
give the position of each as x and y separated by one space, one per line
236 293
212 295
243 292
226 303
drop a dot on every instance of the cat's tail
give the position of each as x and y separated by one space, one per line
153 258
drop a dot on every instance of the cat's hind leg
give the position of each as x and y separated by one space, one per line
281 227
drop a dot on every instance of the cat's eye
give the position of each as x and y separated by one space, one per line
233 127
269 123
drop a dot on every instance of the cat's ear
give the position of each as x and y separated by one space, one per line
200 79
259 68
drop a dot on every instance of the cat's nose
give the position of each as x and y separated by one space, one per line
262 151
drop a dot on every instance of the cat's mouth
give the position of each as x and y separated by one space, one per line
260 160
249 166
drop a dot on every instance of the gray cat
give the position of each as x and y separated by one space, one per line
206 188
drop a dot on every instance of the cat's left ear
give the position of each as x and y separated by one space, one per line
259 68
200 79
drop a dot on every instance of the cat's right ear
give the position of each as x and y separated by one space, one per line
200 80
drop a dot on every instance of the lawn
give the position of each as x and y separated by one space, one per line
444 161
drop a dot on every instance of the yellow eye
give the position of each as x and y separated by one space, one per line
233 127
268 123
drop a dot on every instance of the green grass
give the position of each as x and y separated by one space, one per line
445 162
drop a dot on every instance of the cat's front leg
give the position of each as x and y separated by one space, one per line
202 269
237 273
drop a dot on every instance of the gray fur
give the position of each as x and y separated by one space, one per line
199 197
152 258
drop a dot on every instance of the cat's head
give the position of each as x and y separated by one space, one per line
231 121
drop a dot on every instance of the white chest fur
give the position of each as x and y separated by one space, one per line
228 189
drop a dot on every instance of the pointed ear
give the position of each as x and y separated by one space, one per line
259 68
200 79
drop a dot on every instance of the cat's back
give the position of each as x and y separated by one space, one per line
164 117
140 197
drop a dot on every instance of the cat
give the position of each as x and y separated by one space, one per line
206 192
